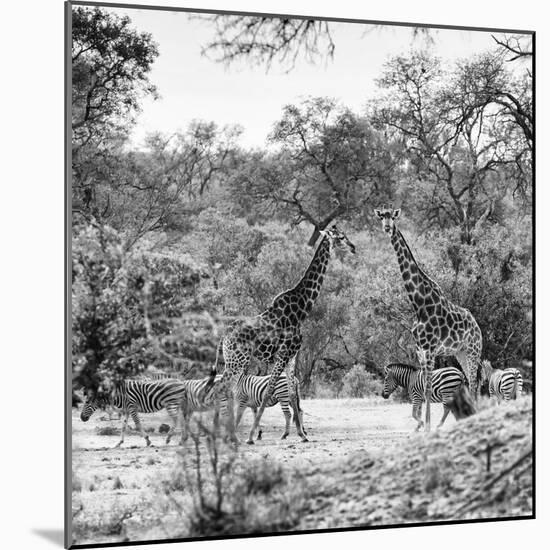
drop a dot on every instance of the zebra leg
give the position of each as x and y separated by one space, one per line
260 431
173 412
123 430
417 414
286 412
135 418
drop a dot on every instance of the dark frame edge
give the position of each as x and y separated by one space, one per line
305 532
67 277
332 19
534 274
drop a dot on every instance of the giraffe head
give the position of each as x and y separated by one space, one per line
337 238
388 217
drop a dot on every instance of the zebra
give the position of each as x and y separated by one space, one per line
445 382
250 391
504 384
146 396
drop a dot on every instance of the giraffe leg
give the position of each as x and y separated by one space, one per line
231 429
185 420
123 428
294 399
240 410
428 391
426 364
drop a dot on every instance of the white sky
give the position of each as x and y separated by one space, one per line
194 87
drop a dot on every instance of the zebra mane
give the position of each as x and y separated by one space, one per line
401 365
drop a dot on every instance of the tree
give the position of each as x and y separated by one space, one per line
110 66
265 39
456 141
130 310
331 165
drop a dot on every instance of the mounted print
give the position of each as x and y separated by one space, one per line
299 274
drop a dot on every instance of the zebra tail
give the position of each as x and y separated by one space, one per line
516 384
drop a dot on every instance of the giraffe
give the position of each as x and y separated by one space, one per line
274 336
442 327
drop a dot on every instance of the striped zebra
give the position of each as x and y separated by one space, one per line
135 396
250 391
504 384
445 382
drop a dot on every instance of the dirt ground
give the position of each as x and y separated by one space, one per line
107 480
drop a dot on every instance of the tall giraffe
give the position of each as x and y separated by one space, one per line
274 336
441 328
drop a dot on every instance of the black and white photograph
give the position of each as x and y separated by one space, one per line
300 274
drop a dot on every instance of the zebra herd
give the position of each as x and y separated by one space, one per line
181 398
503 385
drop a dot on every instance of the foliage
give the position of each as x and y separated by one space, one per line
264 40
360 383
218 491
192 231
460 149
110 340
110 66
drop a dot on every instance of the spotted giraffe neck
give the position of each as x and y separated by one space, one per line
417 284
306 291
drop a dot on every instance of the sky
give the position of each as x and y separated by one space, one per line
192 86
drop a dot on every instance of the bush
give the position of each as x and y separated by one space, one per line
111 288
219 491
360 383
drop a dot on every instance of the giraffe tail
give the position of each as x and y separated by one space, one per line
213 370
298 408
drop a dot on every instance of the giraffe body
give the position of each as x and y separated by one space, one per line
442 327
274 336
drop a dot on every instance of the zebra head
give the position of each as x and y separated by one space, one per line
390 382
88 409
90 405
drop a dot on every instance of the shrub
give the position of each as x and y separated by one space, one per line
360 383
219 491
